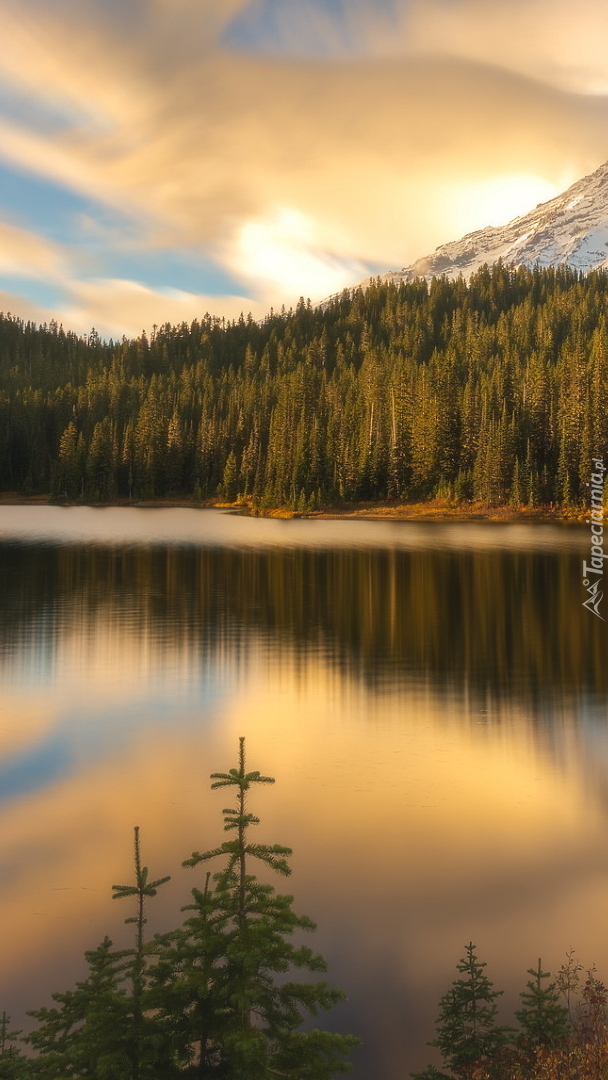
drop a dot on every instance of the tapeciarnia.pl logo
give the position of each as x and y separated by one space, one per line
593 572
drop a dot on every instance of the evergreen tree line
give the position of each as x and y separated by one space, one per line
214 998
562 1031
494 390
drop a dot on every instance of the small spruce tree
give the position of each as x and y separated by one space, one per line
13 1063
141 889
467 1034
87 1033
542 1018
258 1037
187 982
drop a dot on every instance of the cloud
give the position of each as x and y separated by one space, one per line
296 176
22 307
553 41
318 28
115 307
23 253
370 151
283 255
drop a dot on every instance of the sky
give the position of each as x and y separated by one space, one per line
161 159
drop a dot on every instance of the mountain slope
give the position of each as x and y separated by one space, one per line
571 230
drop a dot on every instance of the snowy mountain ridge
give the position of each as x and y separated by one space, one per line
569 230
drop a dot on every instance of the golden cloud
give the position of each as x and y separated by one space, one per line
13 303
224 151
548 40
116 307
26 254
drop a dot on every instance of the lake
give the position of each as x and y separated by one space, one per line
431 698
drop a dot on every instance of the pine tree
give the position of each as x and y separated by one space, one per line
187 986
175 454
69 471
87 1033
258 1037
542 1017
101 1029
142 888
230 478
467 1035
101 461
13 1063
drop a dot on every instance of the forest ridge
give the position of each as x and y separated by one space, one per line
493 390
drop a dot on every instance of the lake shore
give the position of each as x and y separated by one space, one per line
433 510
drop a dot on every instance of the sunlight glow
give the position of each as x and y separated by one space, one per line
284 251
497 201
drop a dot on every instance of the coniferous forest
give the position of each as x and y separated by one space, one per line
494 391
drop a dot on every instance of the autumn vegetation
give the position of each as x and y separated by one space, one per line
561 1032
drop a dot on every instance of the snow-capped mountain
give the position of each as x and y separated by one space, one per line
571 230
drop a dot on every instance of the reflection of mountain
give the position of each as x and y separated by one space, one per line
490 624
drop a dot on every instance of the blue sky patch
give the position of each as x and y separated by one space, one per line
104 242
42 115
271 26
47 208
172 269
40 292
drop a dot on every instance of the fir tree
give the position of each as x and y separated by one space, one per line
87 1033
467 1034
230 478
13 1064
141 889
258 1037
69 470
542 1018
187 984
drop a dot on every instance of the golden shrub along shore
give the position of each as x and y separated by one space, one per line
433 510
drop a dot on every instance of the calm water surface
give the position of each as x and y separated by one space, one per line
432 699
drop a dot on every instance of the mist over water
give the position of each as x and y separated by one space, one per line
430 698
